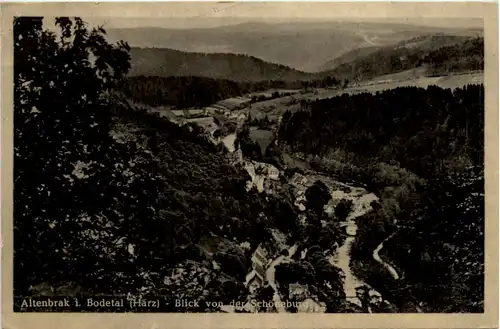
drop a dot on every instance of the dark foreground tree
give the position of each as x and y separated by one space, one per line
69 174
343 209
317 196
112 210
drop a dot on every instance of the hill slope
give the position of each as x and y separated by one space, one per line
434 51
301 45
348 57
168 62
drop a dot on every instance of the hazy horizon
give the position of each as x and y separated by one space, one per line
305 43
195 22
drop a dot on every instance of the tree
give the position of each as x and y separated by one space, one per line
332 236
69 173
264 294
317 196
296 272
343 209
232 259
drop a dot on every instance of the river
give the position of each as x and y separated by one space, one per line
341 258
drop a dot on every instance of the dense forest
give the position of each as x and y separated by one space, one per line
182 92
238 67
421 151
112 210
110 199
423 43
468 56
444 54
401 125
194 89
349 57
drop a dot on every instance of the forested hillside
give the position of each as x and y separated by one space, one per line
201 203
413 147
468 56
348 57
86 204
168 62
401 124
179 92
444 54
182 92
433 42
110 200
113 200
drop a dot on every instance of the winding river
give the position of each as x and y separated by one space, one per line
387 266
341 257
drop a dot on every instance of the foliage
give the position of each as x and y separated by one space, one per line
262 123
179 92
249 148
444 259
296 272
238 67
343 209
67 170
317 196
450 123
468 56
112 198
200 91
426 165
444 54
264 294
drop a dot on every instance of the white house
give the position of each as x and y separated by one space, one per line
257 276
253 281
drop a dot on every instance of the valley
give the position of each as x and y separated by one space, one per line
306 167
266 178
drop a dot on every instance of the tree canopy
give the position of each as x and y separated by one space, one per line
107 196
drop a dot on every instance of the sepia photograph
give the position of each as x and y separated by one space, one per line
224 161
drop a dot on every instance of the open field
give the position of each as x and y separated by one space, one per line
275 108
233 103
400 76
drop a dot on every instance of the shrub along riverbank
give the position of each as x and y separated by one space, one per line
412 147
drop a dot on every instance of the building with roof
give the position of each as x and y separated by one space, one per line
257 276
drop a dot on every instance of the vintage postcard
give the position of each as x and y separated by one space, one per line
250 164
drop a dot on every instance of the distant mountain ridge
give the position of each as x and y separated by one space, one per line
165 62
304 46
361 64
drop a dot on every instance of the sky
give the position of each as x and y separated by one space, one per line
212 14
209 22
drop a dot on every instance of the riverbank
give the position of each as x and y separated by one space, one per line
265 180
341 257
